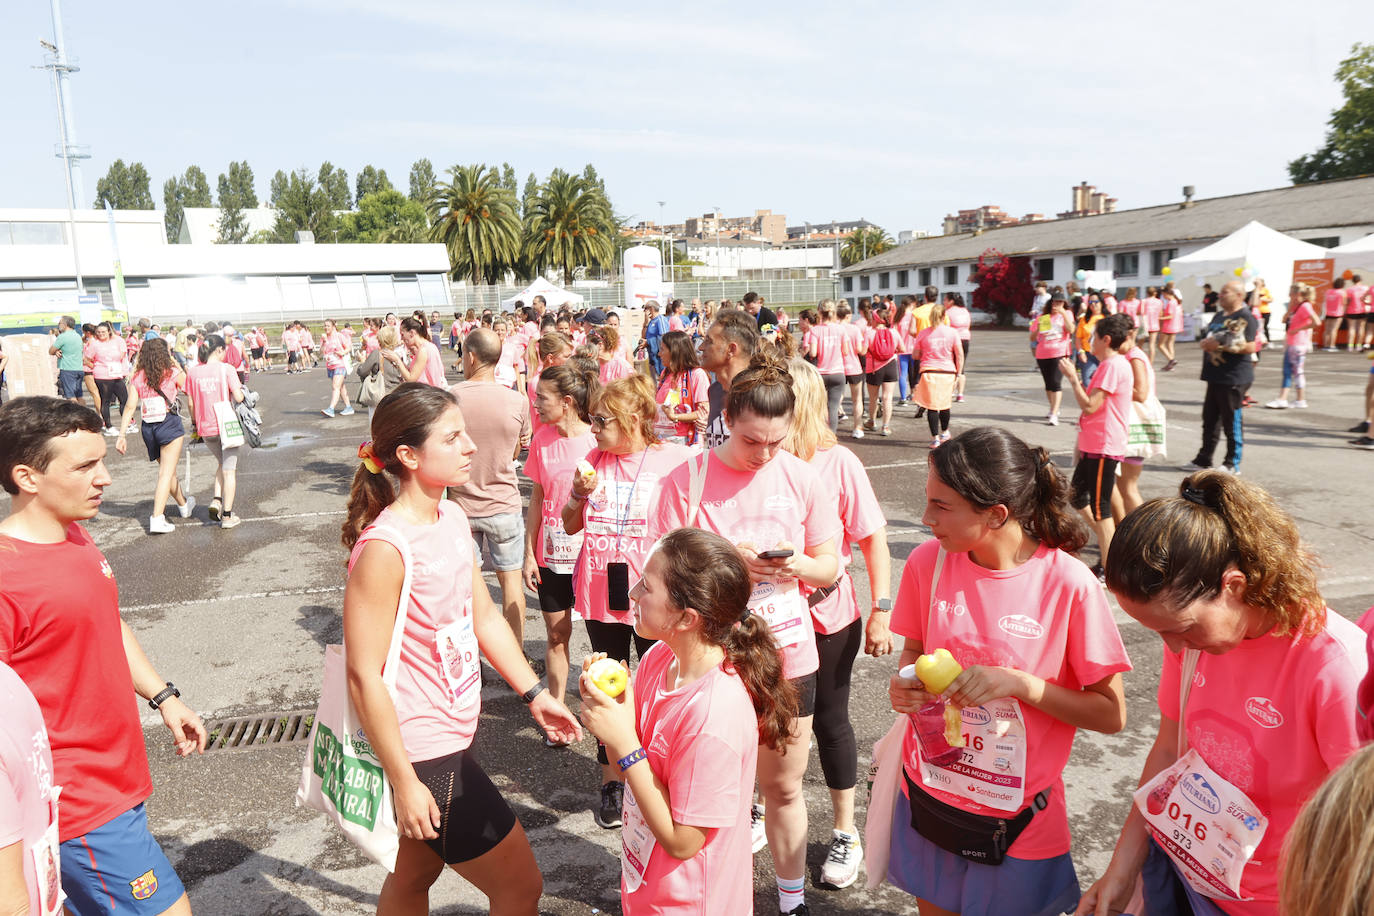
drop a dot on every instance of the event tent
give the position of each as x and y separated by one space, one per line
1268 253
1357 256
553 295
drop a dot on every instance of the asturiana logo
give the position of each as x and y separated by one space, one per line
1196 789
1262 710
976 715
1021 626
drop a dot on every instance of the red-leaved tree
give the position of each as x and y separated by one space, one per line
1004 285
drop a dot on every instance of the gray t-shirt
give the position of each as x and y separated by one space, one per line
497 418
716 430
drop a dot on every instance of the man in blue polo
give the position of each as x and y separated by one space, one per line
655 326
66 346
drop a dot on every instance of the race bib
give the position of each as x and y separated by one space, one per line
636 843
1208 827
991 770
152 409
46 856
560 548
619 507
779 602
460 666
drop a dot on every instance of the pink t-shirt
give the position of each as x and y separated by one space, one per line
1139 357
937 344
1054 335
307 339
1049 617
1104 432
959 319
675 323
291 340
1150 308
109 357
1300 325
1129 307
552 460
439 685
781 501
616 520
860 516
702 742
335 347
1335 305
851 342
905 328
1171 315
827 339
370 341
1273 717
433 373
615 368
26 781
208 384
691 388
1356 304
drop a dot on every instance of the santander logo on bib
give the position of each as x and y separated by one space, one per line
1021 626
1262 710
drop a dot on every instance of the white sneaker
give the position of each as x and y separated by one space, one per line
858 432
759 835
841 867
1280 404
111 431
158 524
186 509
1300 404
1052 419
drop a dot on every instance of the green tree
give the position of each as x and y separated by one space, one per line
277 189
508 178
125 187
589 173
334 183
241 185
303 206
1349 147
569 225
530 193
422 181
863 243
410 230
236 194
377 213
369 181
189 190
474 215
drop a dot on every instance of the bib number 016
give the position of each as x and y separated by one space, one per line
1190 825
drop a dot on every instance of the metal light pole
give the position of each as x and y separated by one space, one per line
662 248
60 68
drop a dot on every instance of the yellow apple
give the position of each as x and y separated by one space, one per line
585 470
610 676
937 670
954 726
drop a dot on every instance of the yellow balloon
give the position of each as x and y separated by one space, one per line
1166 271
1239 271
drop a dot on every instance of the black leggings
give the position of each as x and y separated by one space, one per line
834 732
111 389
938 420
614 639
834 394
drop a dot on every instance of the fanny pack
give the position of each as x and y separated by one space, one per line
821 594
976 837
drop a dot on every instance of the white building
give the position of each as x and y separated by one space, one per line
732 258
1136 245
200 225
243 283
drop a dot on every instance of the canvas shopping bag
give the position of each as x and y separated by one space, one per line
885 776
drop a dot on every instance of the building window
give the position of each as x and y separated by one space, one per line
1044 269
1085 262
1127 263
884 280
849 284
863 283
903 278
972 272
1159 259
951 276
924 276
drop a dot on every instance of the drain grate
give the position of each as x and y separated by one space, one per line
247 733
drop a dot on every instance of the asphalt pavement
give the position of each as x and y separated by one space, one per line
239 619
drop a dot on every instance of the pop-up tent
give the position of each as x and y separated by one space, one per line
1267 253
553 295
1357 256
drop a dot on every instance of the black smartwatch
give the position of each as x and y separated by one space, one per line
169 691
529 695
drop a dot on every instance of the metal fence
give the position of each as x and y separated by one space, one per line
788 293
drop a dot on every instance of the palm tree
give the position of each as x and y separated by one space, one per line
569 224
409 229
863 243
475 216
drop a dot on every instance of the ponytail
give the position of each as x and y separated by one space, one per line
1052 519
578 382
369 495
753 654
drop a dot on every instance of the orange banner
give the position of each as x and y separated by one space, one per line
1316 274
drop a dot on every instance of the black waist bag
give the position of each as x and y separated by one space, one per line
975 837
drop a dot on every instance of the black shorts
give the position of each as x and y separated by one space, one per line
1051 373
964 343
257 352
1094 478
473 817
883 374
555 591
158 435
854 379
806 693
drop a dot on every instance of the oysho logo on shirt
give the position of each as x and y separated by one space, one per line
1021 626
951 607
1262 710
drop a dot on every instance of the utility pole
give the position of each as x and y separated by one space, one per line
71 155
662 248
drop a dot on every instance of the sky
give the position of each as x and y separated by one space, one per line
894 112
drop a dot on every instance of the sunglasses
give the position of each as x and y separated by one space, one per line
601 422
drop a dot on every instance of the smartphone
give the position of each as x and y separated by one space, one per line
775 554
618 586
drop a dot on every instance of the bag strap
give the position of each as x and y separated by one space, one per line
696 488
393 654
1185 686
935 579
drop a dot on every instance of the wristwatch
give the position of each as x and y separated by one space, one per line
167 692
882 604
529 695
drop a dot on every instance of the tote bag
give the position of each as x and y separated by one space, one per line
884 775
1145 429
341 775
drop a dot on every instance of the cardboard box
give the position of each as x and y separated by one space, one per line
31 369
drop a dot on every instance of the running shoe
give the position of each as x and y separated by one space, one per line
1280 404
1359 427
229 521
858 432
1169 366
347 411
1052 419
1364 442
1234 471
756 831
1300 404
800 909
958 399
935 443
158 524
945 436
111 431
607 813
186 509
887 430
841 867
920 412
1195 465
868 425
215 509
843 416
328 411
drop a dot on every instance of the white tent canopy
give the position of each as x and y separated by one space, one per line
1268 253
1357 256
553 295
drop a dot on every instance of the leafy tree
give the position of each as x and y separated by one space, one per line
125 187
232 226
569 224
302 205
410 230
236 194
589 173
371 180
1349 147
474 215
864 243
530 193
277 190
379 212
190 190
334 183
262 237
422 181
240 181
508 178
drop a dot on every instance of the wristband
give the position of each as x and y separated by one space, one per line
167 692
529 695
631 759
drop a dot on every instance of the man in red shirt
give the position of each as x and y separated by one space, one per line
61 632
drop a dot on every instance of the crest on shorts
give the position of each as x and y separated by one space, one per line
144 886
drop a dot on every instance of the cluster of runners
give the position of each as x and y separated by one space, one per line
700 520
